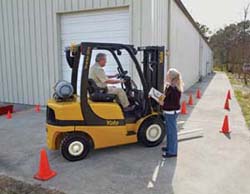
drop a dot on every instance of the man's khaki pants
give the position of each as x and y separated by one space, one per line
121 95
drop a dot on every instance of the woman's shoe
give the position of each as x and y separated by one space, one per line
164 149
166 155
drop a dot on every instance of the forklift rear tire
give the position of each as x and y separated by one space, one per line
151 132
75 147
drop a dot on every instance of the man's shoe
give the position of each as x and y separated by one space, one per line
166 155
129 108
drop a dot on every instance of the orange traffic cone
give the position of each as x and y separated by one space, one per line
37 108
229 95
44 173
183 108
9 115
226 106
198 93
190 101
225 127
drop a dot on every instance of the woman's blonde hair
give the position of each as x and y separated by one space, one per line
176 79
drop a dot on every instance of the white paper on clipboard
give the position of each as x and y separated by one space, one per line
157 95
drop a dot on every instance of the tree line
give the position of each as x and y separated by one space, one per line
231 46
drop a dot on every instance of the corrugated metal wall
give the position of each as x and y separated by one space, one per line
206 58
186 49
159 22
149 26
184 46
29 64
30 61
160 26
160 18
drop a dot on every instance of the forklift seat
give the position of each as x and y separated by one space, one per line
98 94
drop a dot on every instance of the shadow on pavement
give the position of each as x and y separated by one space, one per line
190 138
202 85
228 135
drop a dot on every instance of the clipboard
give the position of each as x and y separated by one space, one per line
156 95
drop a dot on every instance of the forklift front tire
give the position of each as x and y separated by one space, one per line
75 147
151 132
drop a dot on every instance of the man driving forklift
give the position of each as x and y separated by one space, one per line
102 80
94 119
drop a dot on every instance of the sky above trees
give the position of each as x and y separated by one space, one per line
216 13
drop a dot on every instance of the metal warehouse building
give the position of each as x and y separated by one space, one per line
33 34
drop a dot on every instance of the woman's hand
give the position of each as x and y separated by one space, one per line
161 103
161 100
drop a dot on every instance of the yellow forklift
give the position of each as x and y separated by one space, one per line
95 119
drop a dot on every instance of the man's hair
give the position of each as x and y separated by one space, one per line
99 56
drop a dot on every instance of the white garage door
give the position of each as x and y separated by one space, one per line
96 26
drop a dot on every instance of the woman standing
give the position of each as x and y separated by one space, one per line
171 108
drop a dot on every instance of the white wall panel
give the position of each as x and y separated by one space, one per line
30 49
206 61
184 46
6 56
109 25
82 4
160 25
159 22
4 94
30 46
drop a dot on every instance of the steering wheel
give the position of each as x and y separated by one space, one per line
129 84
122 75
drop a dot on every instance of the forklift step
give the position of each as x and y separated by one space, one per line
131 133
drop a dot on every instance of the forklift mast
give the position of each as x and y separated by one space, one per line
153 68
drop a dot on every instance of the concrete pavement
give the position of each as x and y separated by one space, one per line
214 164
